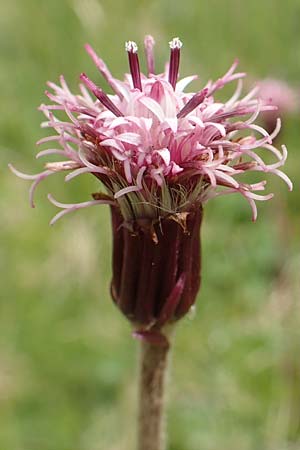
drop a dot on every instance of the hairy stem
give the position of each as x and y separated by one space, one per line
151 423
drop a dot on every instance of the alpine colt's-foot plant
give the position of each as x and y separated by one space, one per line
159 153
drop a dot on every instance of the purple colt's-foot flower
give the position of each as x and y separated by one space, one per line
160 153
279 93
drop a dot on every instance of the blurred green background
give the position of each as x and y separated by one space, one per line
67 361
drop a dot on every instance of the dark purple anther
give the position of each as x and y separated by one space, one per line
192 103
175 46
134 65
101 96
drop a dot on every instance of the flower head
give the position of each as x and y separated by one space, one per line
282 95
160 153
156 148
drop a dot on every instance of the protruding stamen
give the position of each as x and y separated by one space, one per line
131 48
149 44
175 46
192 103
102 67
101 96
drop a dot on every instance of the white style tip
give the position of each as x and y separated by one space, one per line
131 46
175 43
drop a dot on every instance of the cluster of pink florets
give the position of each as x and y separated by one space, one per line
150 136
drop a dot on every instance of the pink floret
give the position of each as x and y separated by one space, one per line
150 137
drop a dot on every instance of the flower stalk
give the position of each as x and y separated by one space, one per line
154 361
